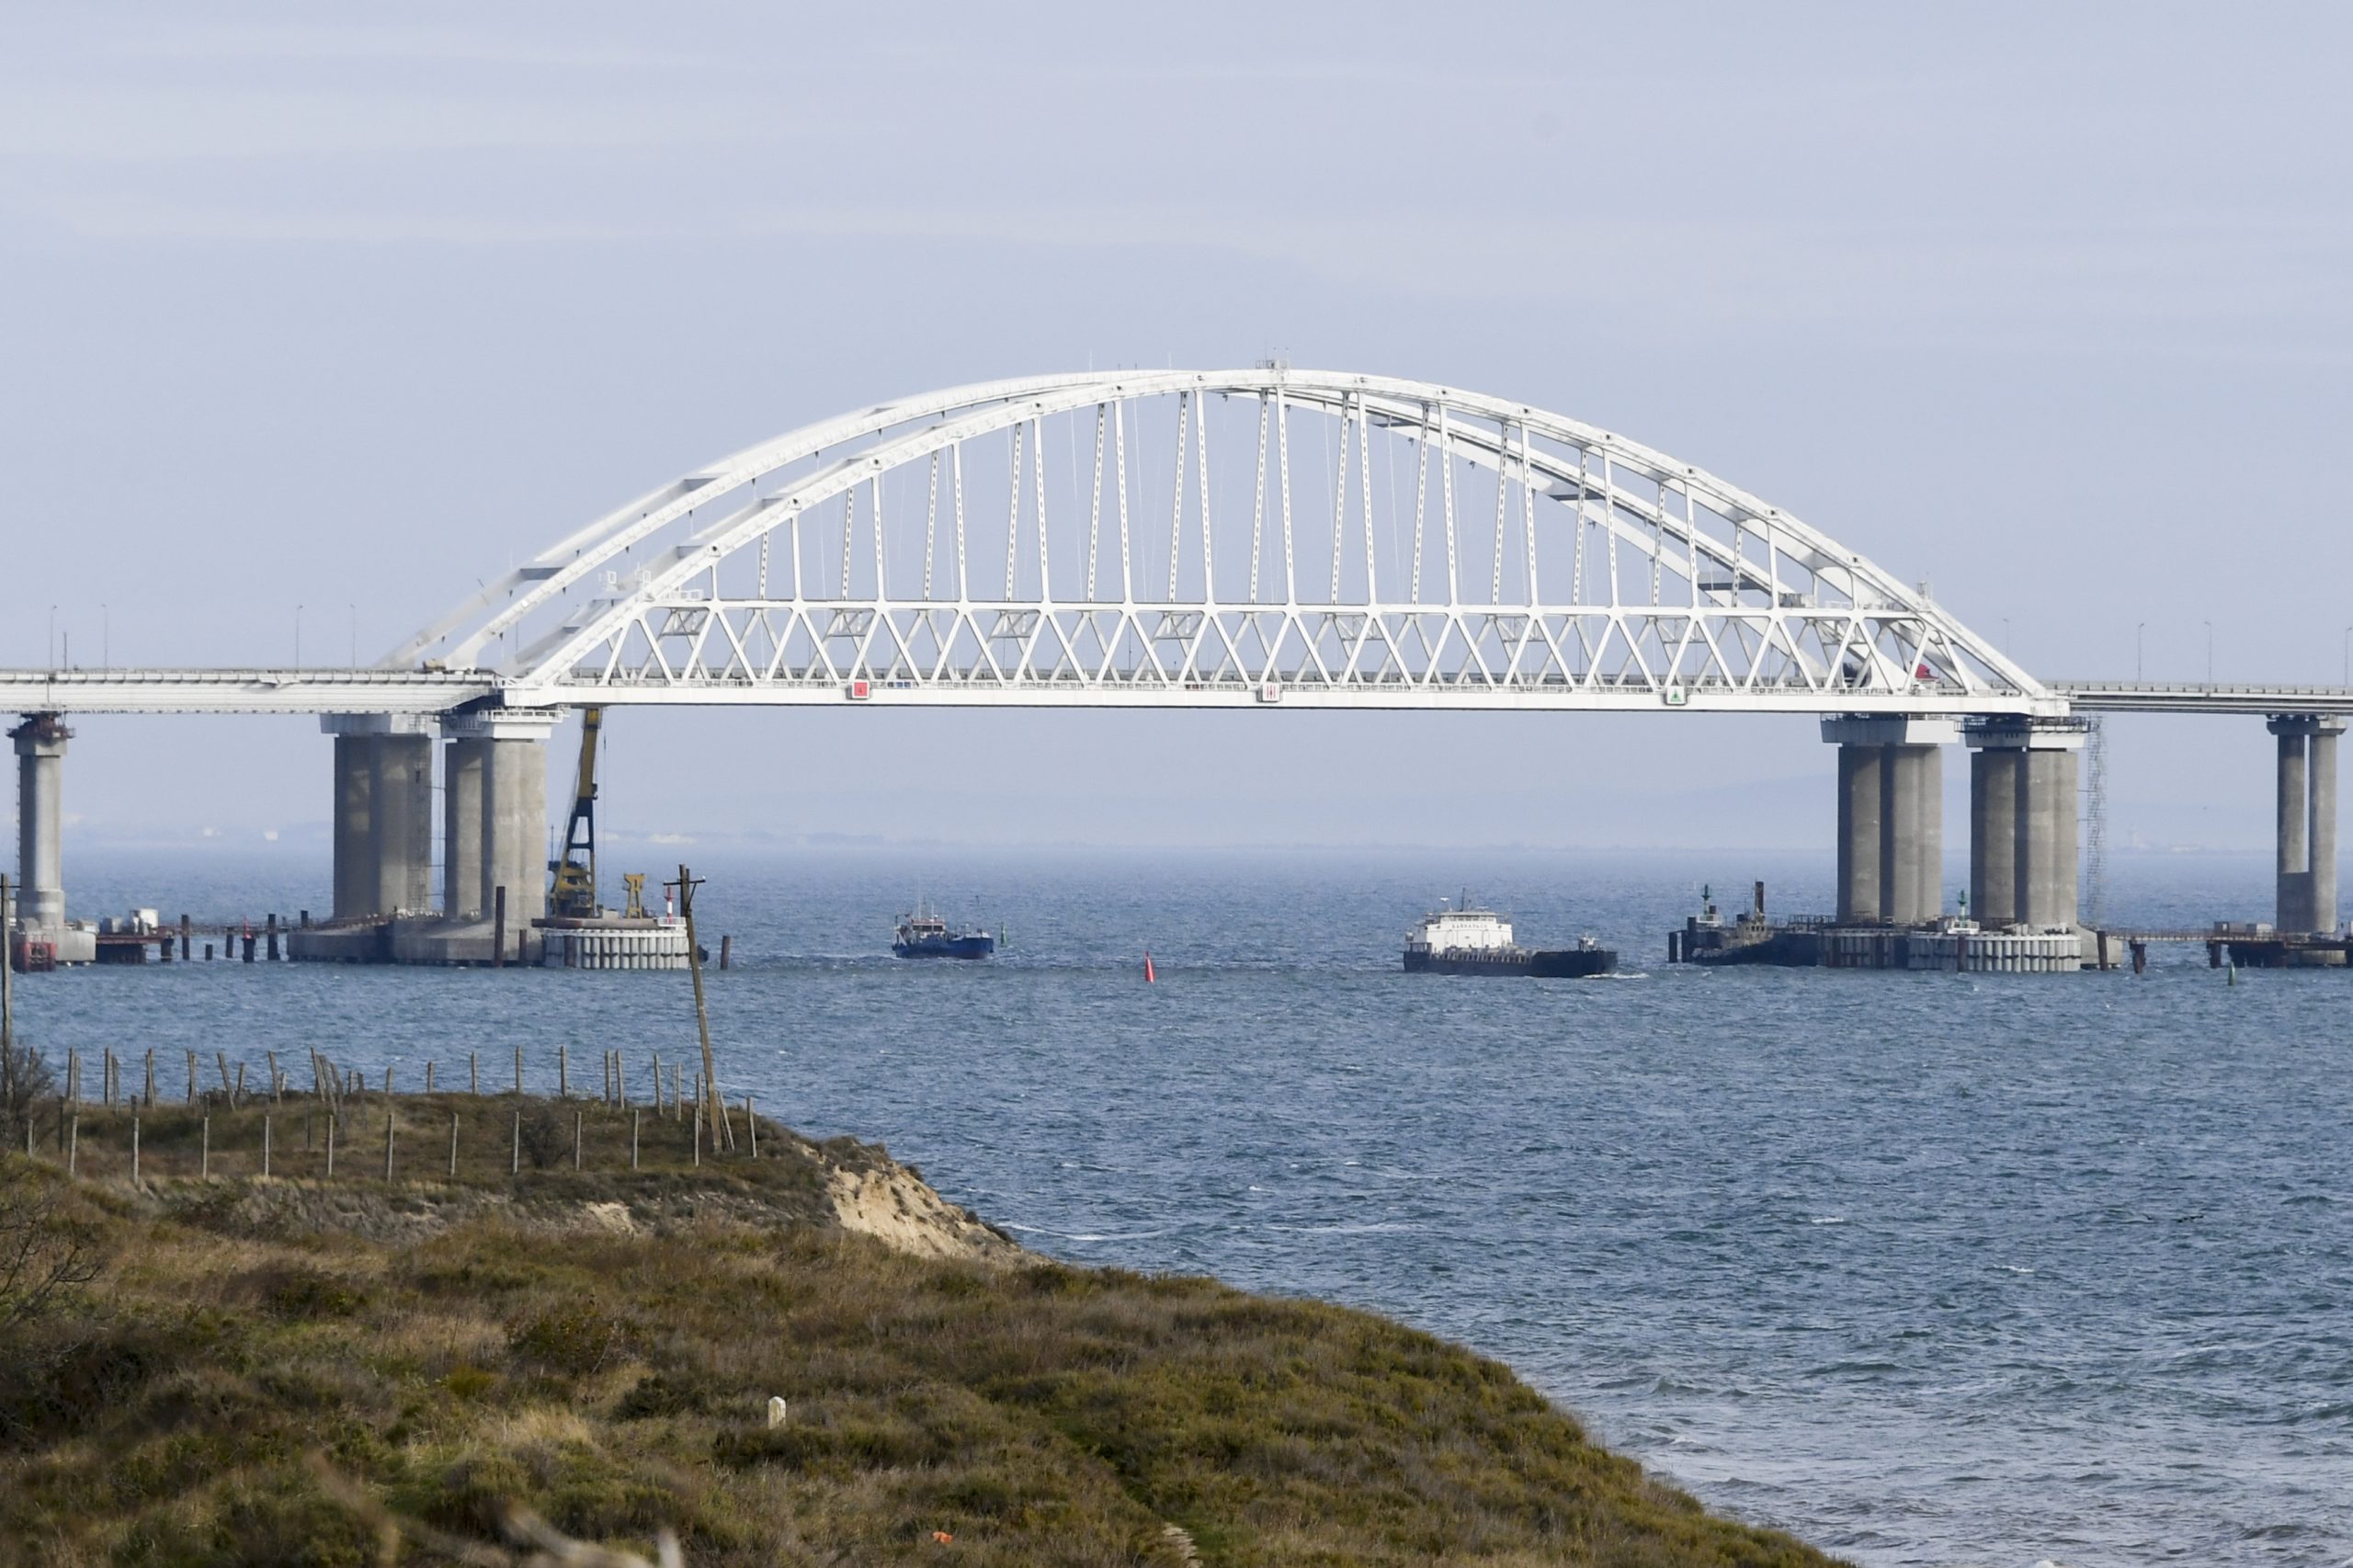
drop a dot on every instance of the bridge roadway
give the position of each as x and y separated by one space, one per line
1889 837
371 689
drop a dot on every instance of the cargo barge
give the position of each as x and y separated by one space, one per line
1465 940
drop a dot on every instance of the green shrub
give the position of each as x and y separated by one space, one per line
574 1339
674 1390
307 1293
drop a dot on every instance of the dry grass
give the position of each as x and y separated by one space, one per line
617 1383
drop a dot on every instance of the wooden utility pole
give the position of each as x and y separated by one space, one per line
8 1000
720 1125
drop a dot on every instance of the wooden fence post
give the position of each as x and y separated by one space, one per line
204 1150
473 1073
330 1143
515 1160
753 1125
575 1139
387 1139
265 1145
453 1145
134 1151
634 1115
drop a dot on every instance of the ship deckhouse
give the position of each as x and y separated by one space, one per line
1460 930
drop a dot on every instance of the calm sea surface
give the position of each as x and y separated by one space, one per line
1927 1269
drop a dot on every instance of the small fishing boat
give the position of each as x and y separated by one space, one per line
923 935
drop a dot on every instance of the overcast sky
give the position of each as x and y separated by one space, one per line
2044 304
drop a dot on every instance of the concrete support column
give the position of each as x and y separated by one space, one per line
2293 912
1890 817
2046 837
41 816
461 777
1994 791
2319 837
355 854
2306 821
513 815
1858 834
400 826
2022 804
1911 837
383 813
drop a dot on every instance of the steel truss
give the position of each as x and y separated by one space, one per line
1188 538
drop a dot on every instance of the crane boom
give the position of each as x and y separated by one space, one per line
573 894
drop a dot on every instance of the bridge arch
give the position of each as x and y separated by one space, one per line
1202 538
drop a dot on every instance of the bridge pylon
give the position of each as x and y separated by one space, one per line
2306 826
2022 840
1890 817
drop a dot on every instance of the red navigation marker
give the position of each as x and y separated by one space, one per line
1148 977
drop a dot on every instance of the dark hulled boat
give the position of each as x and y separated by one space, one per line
923 935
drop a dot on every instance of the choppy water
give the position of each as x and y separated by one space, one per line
1927 1269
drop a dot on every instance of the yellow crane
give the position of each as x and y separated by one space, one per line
573 894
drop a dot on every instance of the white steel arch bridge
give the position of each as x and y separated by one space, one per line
1186 538
1268 536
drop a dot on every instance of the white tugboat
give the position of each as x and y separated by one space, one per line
1466 940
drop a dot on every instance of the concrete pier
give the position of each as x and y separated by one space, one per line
40 817
462 774
400 826
2022 806
2306 821
493 834
1993 788
1890 818
1858 834
1912 833
355 854
2046 834
383 815
511 840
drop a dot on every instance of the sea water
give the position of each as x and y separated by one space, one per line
1925 1268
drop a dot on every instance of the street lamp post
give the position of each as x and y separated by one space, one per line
2136 649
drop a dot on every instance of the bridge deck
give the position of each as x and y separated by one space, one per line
373 689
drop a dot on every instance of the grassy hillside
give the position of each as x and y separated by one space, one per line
288 1372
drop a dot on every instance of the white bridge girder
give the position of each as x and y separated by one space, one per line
1357 541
